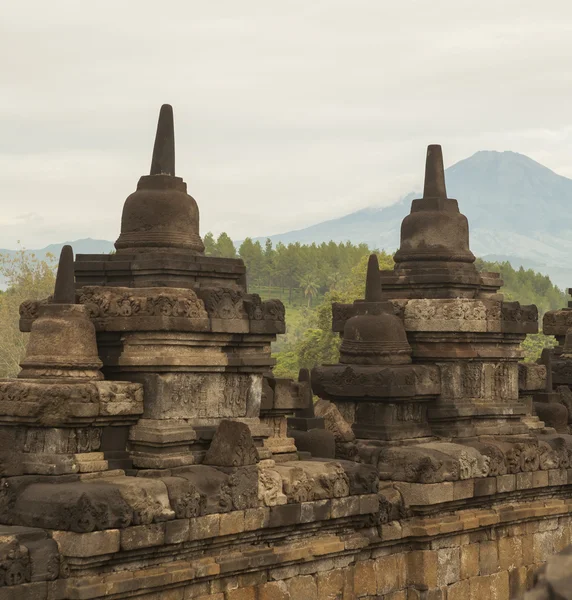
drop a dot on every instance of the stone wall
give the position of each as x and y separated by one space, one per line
464 555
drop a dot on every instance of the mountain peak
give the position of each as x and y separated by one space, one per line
516 207
494 160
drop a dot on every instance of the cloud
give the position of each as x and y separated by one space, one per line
286 113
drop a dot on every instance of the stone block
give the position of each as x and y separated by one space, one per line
539 479
460 590
206 567
527 545
480 588
345 507
523 481
242 593
422 568
84 545
469 561
448 566
365 583
517 582
557 477
256 518
391 531
231 446
177 532
142 536
232 523
506 483
304 587
287 572
488 558
287 514
499 586
510 552
27 591
330 584
320 510
205 527
390 573
463 489
542 546
327 545
485 486
274 590
316 566
368 504
419 494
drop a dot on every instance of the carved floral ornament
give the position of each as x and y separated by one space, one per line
464 309
116 302
127 302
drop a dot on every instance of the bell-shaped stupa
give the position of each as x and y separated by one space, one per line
62 339
374 336
434 259
435 230
160 214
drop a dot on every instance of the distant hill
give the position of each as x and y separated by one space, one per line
84 246
518 210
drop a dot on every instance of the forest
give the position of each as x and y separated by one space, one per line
307 278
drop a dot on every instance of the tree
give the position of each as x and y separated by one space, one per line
253 257
225 246
310 287
27 278
210 244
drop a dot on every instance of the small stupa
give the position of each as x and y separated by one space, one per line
434 259
374 381
160 214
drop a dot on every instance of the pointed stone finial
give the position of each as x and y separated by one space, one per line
64 292
373 280
546 360
304 375
163 161
434 173
306 390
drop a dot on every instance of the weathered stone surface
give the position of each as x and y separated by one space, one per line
211 483
531 377
334 421
70 507
148 498
232 446
270 491
84 545
320 443
410 463
446 484
184 497
304 481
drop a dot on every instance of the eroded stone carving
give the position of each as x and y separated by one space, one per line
106 302
232 446
270 487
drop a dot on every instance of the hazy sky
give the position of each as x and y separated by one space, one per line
286 113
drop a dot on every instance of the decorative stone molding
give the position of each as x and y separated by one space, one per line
35 402
107 302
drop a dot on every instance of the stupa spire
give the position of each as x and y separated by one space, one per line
434 173
64 292
373 280
163 161
160 216
546 360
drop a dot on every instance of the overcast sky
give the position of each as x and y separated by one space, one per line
287 113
